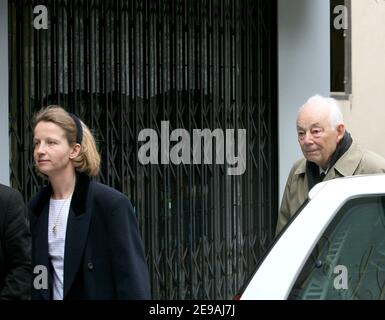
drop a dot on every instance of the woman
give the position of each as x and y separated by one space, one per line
85 233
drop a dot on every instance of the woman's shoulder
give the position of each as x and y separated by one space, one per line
107 200
106 193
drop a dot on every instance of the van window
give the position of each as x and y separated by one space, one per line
348 261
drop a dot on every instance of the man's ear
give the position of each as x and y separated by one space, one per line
75 151
340 132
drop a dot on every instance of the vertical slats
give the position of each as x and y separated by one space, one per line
127 65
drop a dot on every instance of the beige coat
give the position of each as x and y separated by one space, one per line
354 161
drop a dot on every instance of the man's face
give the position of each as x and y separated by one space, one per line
318 140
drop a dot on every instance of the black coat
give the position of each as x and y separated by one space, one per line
15 246
104 255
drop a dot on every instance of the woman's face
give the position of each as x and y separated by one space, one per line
52 153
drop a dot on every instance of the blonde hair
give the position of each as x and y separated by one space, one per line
88 160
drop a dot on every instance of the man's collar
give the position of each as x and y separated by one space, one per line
346 165
323 171
349 161
301 167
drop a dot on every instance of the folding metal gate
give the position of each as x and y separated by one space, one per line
123 66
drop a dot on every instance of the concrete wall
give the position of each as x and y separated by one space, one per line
303 67
4 127
365 112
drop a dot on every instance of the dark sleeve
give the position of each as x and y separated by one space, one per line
17 249
129 263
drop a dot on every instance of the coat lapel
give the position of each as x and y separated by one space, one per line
41 255
76 238
349 162
77 232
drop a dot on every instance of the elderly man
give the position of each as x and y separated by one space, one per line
329 153
15 247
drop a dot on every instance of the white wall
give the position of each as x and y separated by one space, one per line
4 136
303 69
366 105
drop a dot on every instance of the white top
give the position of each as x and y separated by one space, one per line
57 226
323 171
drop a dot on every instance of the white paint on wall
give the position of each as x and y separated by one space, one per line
365 112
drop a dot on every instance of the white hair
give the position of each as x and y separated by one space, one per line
335 115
